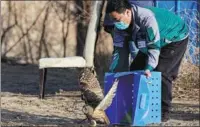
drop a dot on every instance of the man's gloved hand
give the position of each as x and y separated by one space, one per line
147 73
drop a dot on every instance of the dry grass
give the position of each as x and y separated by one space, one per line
188 75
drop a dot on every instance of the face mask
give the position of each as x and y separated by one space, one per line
121 25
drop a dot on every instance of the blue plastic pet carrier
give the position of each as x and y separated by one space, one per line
137 101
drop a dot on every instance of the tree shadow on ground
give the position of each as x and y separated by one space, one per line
26 119
186 112
24 79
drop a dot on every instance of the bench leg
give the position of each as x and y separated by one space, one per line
43 73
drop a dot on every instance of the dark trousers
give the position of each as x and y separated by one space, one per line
169 63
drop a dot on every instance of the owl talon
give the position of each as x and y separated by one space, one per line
93 123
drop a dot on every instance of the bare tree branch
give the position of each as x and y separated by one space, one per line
42 39
24 34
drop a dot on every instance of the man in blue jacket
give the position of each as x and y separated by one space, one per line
160 36
123 52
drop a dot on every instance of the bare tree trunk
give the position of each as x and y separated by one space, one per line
92 33
81 32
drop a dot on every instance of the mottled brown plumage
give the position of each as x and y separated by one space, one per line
90 87
96 104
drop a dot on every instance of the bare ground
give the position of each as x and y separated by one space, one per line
20 105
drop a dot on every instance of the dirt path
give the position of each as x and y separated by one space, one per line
20 105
